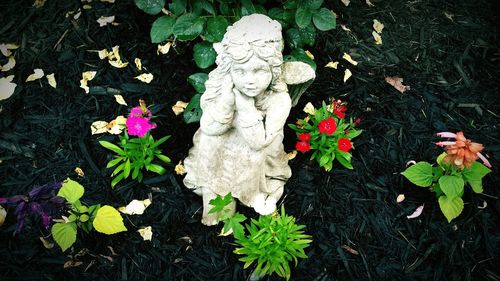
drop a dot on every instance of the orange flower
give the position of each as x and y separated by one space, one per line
462 151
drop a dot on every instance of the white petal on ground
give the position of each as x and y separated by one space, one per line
417 212
7 88
38 73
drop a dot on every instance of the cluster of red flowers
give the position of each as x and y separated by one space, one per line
303 145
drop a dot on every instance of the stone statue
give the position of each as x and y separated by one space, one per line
238 147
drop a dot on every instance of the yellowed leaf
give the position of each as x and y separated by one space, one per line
179 169
72 263
115 127
145 77
120 100
348 58
79 172
333 65
378 26
3 214
87 7
9 65
116 52
38 73
346 2
135 207
103 54
39 3
103 21
7 88
118 63
347 74
163 49
179 107
99 127
52 80
397 83
292 155
146 233
6 47
138 63
309 54
377 37
87 76
309 108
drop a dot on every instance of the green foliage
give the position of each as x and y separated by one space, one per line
325 146
192 112
106 220
198 80
134 156
220 203
187 20
448 182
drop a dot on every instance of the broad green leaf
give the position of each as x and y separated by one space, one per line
178 6
216 27
312 4
234 223
204 54
162 28
308 35
112 147
198 80
324 19
108 221
200 5
247 7
93 209
293 38
71 190
219 203
474 176
451 207
64 234
303 17
193 111
188 26
440 158
300 55
151 7
419 174
452 186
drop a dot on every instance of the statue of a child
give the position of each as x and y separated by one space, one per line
238 147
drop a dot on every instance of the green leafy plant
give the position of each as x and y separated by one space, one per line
271 242
135 155
326 132
455 167
105 219
187 20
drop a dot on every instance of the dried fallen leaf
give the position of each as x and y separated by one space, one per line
135 207
38 73
115 127
400 198
79 172
347 74
346 2
309 108
377 38
350 250
46 243
99 127
145 77
333 65
397 83
309 54
348 58
39 3
417 212
6 47
3 214
87 76
87 7
7 88
179 107
146 233
103 21
179 169
378 26
71 263
115 59
118 63
52 80
103 53
292 155
120 100
138 63
163 49
9 65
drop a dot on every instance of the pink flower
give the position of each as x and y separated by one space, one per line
139 126
137 111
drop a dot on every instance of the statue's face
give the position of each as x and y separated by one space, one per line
252 77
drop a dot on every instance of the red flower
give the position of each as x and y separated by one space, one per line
305 137
344 144
357 121
327 126
340 111
302 146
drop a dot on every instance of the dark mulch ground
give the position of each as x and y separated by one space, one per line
448 51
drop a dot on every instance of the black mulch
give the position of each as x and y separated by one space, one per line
447 51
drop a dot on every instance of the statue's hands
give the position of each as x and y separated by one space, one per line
227 94
243 102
